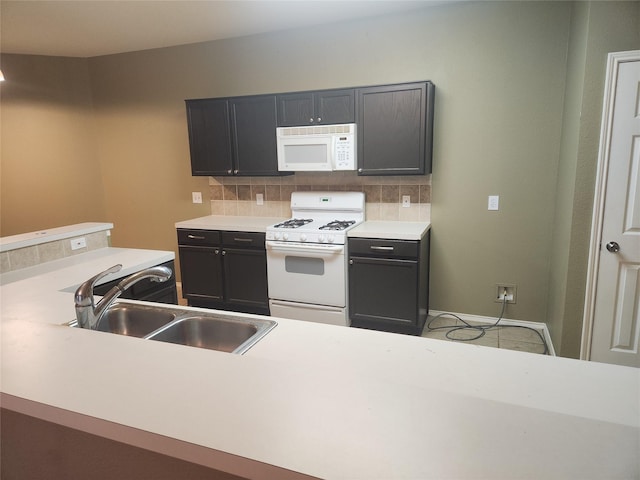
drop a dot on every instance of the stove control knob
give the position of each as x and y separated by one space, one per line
303 238
285 236
322 239
276 235
331 239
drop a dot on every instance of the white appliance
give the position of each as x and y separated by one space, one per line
318 148
307 257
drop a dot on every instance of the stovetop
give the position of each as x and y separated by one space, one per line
320 217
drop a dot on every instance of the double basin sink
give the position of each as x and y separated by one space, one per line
213 331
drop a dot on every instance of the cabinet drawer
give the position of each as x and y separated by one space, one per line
198 237
243 239
382 247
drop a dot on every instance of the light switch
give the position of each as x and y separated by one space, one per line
196 197
494 202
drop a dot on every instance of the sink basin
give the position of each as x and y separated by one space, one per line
226 334
134 320
213 331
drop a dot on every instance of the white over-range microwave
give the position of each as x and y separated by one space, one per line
318 148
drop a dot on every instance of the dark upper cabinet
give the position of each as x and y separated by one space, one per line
233 136
395 129
324 107
209 128
253 121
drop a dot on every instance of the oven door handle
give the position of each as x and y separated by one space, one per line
305 247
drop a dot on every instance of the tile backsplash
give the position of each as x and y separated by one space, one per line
383 195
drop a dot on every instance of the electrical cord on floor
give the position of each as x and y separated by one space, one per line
481 329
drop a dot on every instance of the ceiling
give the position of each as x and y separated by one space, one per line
85 28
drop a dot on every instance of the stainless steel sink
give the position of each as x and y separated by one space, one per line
213 331
134 320
227 334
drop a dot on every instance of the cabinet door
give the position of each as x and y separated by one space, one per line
209 137
394 129
295 109
334 106
253 122
201 269
245 274
325 107
383 290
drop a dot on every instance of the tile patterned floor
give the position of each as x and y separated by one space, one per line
512 338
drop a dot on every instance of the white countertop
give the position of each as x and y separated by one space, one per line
231 223
51 234
320 400
390 230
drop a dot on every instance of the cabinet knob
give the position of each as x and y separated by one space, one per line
217 251
235 172
359 170
350 262
223 252
229 172
311 120
319 119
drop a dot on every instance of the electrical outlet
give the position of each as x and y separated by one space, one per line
196 197
510 288
259 199
77 243
406 201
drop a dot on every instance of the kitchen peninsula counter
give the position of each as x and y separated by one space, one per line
313 400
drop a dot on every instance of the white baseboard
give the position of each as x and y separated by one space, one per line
539 326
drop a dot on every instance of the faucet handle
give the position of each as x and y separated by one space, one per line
84 293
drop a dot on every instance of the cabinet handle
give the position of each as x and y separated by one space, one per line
384 249
195 237
243 240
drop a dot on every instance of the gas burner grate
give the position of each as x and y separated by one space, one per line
338 225
294 223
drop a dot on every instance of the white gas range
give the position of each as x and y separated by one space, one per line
307 257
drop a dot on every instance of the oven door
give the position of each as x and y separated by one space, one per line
307 273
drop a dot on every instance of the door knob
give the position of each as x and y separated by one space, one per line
613 247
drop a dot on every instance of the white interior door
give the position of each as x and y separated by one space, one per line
615 335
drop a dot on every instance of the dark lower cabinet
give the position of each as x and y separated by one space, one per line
224 270
389 284
146 289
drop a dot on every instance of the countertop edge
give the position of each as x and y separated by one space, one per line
161 444
390 230
47 235
230 222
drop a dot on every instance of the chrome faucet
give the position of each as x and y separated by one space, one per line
88 314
